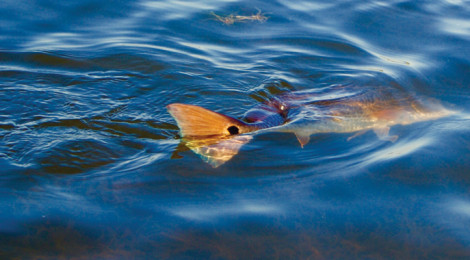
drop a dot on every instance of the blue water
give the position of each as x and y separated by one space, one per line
92 166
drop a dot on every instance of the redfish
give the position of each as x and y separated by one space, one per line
337 109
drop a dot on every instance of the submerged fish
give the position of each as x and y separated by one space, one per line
337 109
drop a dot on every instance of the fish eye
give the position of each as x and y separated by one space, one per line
282 107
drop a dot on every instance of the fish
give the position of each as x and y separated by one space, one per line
217 138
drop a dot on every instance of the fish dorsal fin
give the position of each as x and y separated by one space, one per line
195 121
303 138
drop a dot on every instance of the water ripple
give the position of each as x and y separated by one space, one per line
89 152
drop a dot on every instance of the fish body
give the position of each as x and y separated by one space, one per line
338 109
359 112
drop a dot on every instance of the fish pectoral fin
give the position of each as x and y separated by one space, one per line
303 138
357 134
383 134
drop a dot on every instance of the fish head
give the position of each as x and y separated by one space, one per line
274 110
279 106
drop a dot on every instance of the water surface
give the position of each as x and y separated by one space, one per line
91 161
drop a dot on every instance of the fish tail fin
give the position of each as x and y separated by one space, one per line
196 121
213 136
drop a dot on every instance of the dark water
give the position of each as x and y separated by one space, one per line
87 150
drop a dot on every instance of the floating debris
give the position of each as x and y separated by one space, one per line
260 17
231 19
228 20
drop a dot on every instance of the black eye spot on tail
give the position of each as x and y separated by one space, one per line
233 130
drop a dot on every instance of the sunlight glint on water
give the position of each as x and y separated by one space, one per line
92 164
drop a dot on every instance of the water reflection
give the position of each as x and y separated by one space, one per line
86 144
460 27
211 213
401 148
461 207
